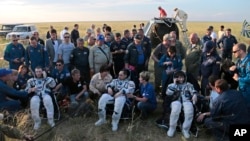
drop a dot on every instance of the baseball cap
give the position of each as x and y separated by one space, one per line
208 46
88 30
138 37
100 38
4 72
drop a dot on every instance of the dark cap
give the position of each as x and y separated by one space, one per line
100 38
138 37
4 72
208 46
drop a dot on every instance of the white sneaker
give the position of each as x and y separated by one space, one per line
186 134
100 122
51 122
37 125
114 127
171 132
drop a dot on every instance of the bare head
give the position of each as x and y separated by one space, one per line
194 38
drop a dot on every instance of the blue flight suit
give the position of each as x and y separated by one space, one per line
12 52
176 65
60 76
243 68
22 81
11 105
36 56
228 109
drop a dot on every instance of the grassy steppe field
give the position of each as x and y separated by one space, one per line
82 128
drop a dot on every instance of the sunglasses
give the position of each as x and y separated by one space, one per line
58 64
66 37
236 51
14 40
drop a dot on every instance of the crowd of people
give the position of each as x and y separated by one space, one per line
109 68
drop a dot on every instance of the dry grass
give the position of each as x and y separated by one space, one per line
82 128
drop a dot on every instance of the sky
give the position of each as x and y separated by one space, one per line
28 11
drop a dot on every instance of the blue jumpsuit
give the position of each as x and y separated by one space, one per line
12 52
36 56
10 105
243 68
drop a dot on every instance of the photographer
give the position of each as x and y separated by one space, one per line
170 62
41 87
184 95
117 91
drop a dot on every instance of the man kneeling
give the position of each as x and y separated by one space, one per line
117 91
41 87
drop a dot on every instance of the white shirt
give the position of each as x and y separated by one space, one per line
213 35
62 33
213 96
56 50
181 14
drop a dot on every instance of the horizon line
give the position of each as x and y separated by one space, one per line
108 21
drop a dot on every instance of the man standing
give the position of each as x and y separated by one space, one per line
146 42
210 65
65 30
242 71
159 51
75 34
52 46
91 42
79 59
64 51
39 40
180 49
193 59
126 37
36 55
99 55
221 32
118 49
228 41
135 58
163 13
14 53
182 16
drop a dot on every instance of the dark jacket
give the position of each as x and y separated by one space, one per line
131 56
230 108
